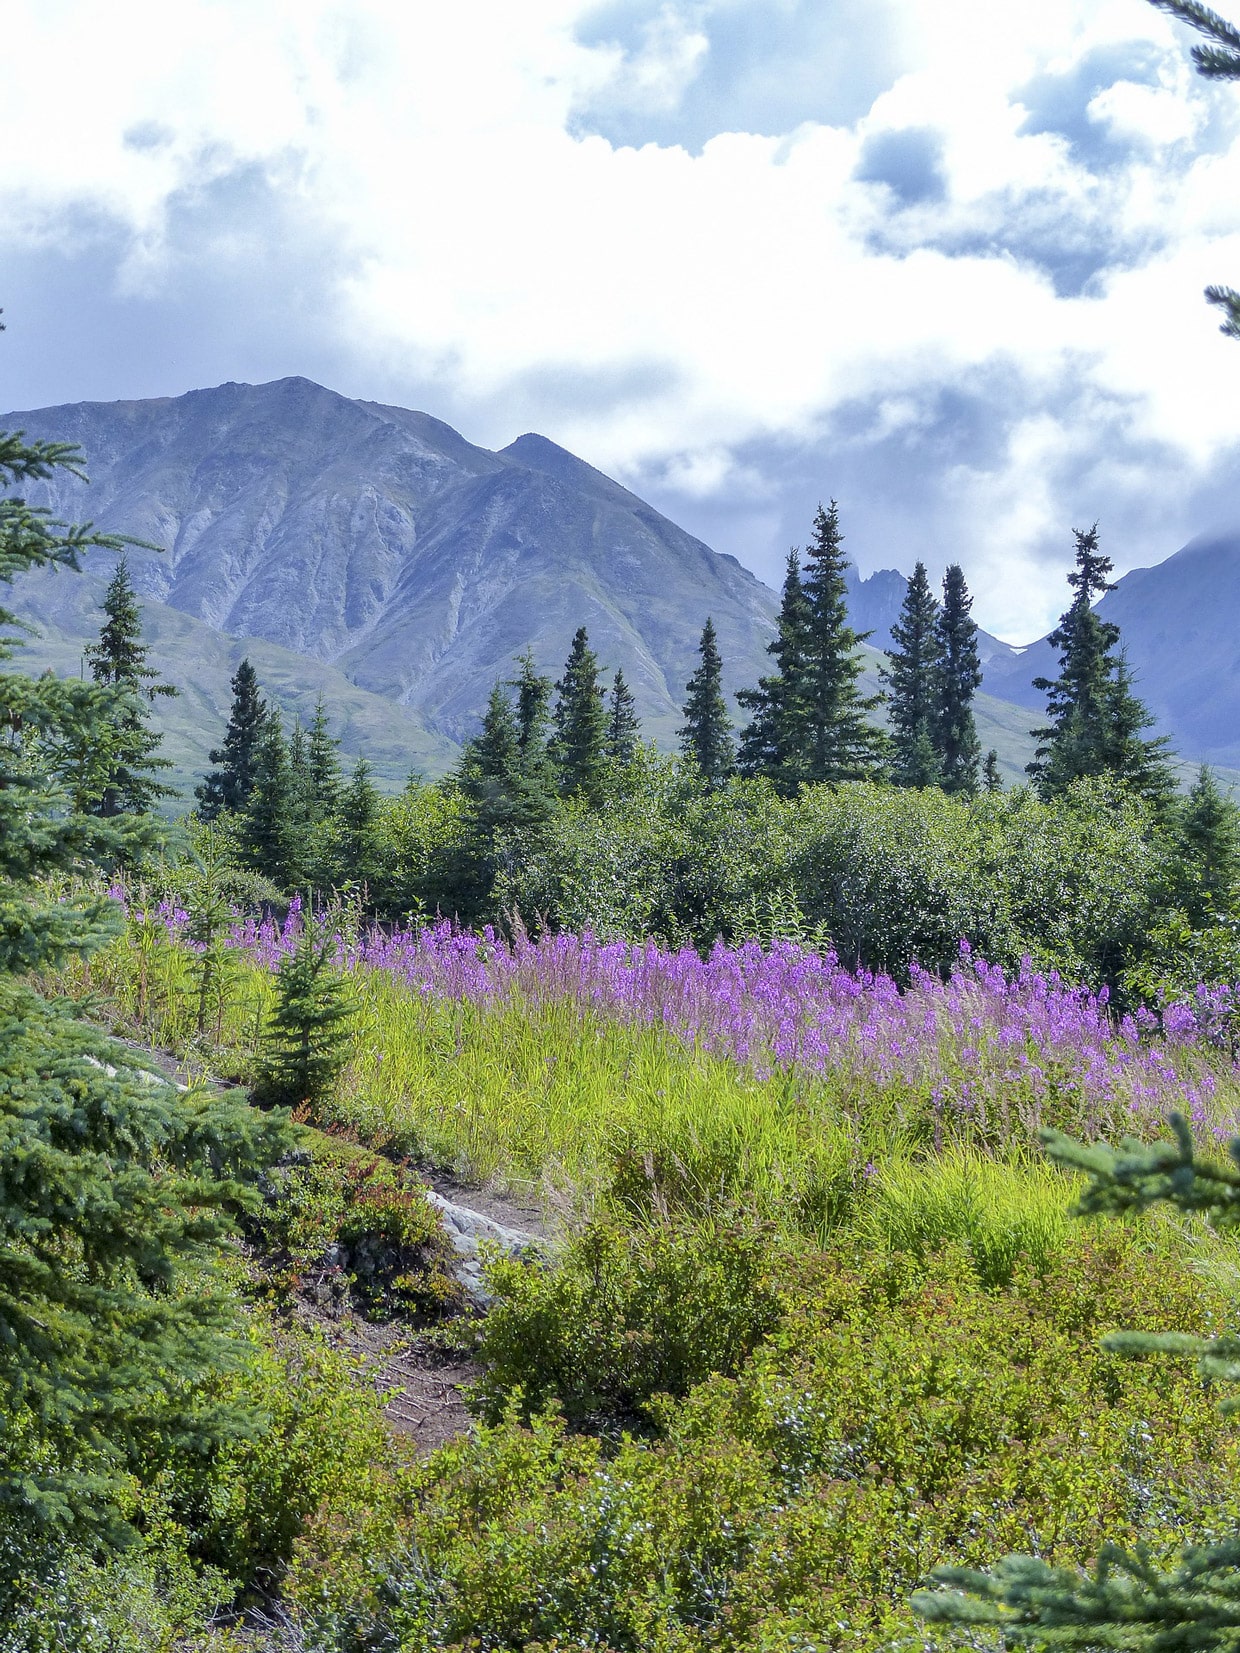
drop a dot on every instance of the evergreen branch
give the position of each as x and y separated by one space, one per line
1126 1603
1137 1175
1202 19
1228 300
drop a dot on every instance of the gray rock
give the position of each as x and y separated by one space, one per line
467 1231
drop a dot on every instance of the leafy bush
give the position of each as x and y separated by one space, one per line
889 875
627 1314
339 1219
900 1415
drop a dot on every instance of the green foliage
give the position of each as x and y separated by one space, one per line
1096 724
340 1221
842 742
304 1047
899 1413
1207 840
322 767
913 679
228 788
706 735
355 841
623 727
580 745
960 676
131 784
1130 1599
884 875
115 1190
116 1198
627 1314
773 743
268 829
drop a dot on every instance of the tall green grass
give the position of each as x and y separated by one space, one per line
580 1106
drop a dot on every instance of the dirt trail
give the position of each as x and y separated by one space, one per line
421 1382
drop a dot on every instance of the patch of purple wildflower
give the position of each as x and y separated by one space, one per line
982 1044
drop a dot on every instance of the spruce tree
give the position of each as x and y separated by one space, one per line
992 779
1141 764
580 747
913 677
490 766
841 741
114 1191
960 677
305 1043
1207 839
227 789
269 826
706 734
1094 721
773 742
323 766
534 778
623 726
119 660
300 802
357 827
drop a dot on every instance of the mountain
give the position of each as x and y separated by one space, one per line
373 555
1180 627
379 541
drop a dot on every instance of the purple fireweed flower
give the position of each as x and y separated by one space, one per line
787 1008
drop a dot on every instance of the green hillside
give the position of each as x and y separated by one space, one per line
64 609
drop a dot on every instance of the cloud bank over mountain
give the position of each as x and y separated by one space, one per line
939 258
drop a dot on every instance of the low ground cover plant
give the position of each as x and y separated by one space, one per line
901 1413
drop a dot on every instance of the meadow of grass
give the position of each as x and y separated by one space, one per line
819 1318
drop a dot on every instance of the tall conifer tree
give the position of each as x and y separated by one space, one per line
357 828
623 727
323 765
842 743
490 767
119 660
706 734
1095 722
1208 831
226 790
992 779
301 797
534 780
581 725
960 676
913 679
774 740
269 828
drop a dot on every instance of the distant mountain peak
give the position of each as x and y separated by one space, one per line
379 540
540 453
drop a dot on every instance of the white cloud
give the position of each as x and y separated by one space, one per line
749 292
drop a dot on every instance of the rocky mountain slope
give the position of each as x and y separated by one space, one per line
380 542
374 555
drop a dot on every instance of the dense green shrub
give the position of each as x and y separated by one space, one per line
340 1221
900 1415
627 1313
885 875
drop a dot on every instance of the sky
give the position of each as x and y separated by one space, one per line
941 260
